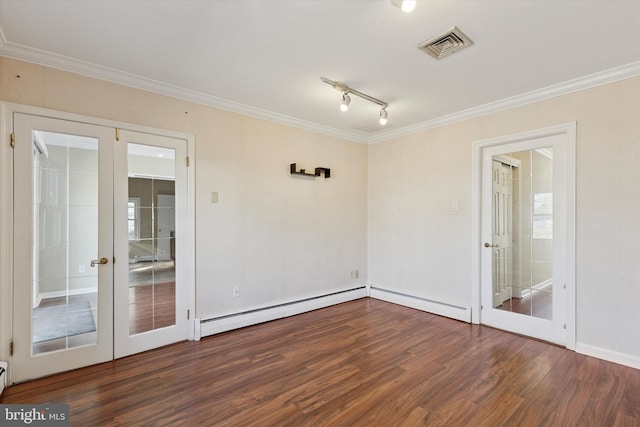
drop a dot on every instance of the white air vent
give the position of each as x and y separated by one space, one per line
445 43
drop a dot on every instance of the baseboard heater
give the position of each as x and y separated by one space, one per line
454 311
216 325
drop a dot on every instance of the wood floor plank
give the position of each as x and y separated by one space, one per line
361 363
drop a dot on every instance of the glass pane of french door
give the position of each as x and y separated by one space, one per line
65 240
151 231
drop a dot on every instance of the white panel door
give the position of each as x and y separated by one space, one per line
63 246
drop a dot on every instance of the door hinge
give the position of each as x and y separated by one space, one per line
564 286
564 326
188 314
11 348
187 161
13 140
114 260
117 134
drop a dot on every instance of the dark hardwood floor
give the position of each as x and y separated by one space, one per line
537 304
152 307
361 363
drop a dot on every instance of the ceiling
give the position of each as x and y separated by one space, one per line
265 58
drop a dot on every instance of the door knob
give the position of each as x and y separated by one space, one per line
489 245
102 260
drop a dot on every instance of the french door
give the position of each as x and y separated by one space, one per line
526 222
149 228
95 274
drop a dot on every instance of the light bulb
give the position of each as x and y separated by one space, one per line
408 6
404 5
346 99
383 117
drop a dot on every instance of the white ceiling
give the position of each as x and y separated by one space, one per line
265 58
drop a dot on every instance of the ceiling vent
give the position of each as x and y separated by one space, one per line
445 43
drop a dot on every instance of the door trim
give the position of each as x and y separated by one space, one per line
568 130
7 109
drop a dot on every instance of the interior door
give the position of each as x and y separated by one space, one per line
100 244
524 237
150 238
63 246
502 209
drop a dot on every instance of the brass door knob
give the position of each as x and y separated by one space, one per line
102 260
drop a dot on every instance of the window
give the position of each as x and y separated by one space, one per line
543 216
133 218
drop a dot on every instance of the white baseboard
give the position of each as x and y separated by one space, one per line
537 287
440 308
609 355
56 294
216 325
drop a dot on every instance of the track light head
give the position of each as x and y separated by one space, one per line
346 99
404 5
383 117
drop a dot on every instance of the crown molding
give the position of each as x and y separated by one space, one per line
592 80
41 57
65 63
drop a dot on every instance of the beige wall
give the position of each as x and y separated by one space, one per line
280 238
420 247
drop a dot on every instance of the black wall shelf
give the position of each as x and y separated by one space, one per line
318 171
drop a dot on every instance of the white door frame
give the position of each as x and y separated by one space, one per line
568 130
7 109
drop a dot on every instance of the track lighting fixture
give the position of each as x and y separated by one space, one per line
346 99
404 5
383 117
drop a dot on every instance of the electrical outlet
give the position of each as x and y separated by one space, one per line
236 291
355 274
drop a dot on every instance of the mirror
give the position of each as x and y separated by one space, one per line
151 232
522 232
